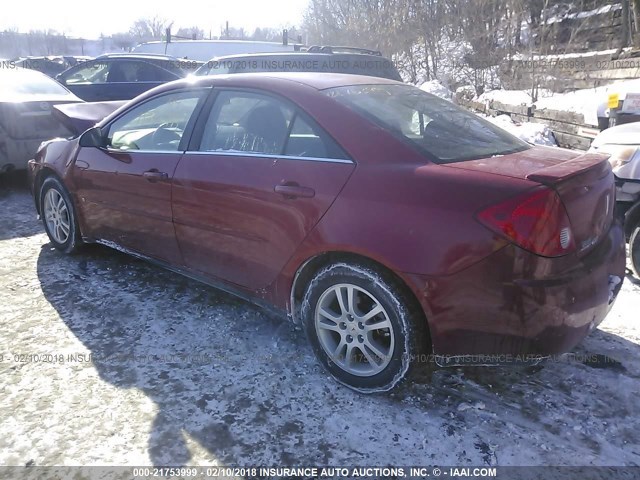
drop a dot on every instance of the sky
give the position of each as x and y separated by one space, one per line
88 19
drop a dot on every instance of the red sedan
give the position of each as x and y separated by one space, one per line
389 223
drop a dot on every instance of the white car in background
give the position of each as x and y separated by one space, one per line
622 142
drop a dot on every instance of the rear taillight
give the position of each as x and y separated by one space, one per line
536 221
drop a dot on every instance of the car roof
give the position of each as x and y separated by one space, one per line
137 56
316 80
241 56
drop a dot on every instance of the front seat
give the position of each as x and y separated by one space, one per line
267 128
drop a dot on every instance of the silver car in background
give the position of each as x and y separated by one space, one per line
27 98
622 142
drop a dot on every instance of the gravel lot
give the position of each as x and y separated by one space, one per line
107 360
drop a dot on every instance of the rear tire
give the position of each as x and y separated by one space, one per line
634 251
59 216
363 327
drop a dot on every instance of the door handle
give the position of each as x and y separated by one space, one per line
154 175
293 190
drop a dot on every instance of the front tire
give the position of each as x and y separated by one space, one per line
634 251
58 216
363 327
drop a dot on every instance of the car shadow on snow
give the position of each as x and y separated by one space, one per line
245 386
15 199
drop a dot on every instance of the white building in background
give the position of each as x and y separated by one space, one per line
204 50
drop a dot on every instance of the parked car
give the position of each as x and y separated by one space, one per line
389 223
623 144
326 59
26 119
121 76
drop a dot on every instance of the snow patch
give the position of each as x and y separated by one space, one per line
436 88
590 13
510 97
534 133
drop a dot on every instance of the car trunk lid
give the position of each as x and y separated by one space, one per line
583 181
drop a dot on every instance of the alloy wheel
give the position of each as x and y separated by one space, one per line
56 215
354 330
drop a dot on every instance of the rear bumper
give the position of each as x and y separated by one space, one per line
514 304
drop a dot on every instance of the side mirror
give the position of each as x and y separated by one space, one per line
93 138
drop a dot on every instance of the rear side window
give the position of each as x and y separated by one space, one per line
308 140
247 122
255 123
442 130
128 71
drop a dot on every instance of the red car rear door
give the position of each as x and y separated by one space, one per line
262 176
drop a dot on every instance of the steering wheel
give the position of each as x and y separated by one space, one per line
165 134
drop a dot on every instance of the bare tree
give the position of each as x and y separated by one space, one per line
150 28
124 41
194 33
636 22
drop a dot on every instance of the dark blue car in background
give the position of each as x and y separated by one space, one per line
123 76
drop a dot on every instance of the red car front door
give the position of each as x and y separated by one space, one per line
261 178
124 189
126 199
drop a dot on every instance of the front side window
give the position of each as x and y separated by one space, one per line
88 73
156 125
254 123
445 132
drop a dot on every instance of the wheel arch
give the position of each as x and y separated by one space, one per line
314 264
44 173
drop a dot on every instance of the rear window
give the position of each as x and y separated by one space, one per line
442 130
22 81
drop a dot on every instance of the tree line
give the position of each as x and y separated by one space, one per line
470 37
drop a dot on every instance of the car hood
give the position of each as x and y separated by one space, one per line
10 97
627 134
81 116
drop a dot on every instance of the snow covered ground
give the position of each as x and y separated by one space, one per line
438 89
586 14
107 360
590 102
535 133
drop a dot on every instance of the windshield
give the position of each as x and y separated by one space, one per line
21 81
443 131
